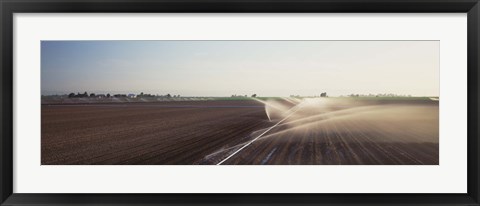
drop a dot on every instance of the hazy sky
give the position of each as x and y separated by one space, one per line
223 68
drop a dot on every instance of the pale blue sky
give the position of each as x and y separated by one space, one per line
223 68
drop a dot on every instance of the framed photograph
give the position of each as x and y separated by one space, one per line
266 102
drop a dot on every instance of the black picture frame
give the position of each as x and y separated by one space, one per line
9 7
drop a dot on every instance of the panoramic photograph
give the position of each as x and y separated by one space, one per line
163 102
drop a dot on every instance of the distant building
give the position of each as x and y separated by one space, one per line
324 94
131 95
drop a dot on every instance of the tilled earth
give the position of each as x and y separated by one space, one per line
145 133
315 132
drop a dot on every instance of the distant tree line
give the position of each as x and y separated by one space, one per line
323 94
378 95
235 95
141 95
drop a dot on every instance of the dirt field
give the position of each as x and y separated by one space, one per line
312 131
145 133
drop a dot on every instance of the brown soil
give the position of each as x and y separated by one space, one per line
150 133
322 132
